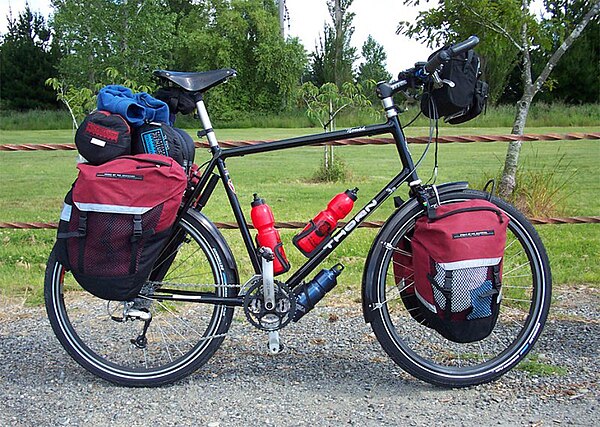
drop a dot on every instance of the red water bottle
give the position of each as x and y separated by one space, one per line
264 222
321 226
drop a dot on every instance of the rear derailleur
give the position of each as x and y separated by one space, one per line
131 312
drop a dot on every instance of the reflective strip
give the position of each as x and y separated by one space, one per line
65 215
426 303
97 207
470 263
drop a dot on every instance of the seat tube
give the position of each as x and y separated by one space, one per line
206 124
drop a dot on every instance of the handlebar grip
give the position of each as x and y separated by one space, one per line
438 59
469 43
445 55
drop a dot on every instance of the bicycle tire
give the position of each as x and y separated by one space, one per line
182 336
424 353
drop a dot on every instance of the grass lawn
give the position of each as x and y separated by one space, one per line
34 183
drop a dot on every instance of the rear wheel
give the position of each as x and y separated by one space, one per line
420 350
180 337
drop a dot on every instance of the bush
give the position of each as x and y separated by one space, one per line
540 190
334 172
541 115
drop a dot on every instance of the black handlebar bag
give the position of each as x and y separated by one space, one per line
457 259
115 221
461 100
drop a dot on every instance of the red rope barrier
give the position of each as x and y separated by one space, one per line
298 225
355 141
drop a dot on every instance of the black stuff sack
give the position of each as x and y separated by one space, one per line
116 220
103 136
160 138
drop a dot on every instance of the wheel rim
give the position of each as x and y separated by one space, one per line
516 329
179 334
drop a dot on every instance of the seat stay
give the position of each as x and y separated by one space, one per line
196 81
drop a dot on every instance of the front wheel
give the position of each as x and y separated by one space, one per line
420 350
180 337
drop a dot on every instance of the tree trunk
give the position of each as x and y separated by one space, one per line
508 181
530 89
281 4
339 43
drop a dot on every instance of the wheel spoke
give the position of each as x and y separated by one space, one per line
406 329
181 335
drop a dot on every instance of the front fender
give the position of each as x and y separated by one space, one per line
368 292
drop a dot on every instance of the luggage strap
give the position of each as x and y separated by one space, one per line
81 229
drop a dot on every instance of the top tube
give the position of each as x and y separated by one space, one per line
302 141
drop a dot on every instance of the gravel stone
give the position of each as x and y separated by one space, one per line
331 373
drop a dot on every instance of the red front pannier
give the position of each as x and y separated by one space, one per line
116 220
457 260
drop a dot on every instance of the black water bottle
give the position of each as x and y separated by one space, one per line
312 292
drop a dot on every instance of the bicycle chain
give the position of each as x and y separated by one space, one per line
190 285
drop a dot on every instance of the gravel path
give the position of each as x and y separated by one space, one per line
332 373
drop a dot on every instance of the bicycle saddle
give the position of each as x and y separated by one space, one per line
196 81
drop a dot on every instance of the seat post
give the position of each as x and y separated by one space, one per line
206 125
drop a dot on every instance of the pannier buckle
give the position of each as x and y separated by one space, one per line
82 228
137 227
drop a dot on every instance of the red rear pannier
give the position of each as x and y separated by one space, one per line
457 260
115 221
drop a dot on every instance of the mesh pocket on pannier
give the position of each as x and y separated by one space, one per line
464 283
109 243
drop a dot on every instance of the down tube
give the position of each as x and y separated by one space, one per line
336 239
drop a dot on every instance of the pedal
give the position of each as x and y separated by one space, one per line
275 346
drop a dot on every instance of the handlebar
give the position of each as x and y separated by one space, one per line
445 55
422 70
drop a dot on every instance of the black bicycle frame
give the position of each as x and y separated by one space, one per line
207 184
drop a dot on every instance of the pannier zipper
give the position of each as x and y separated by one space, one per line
472 209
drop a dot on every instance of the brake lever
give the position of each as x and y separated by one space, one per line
438 82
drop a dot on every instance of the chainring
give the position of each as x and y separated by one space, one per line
269 320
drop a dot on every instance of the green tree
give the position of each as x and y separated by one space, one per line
576 78
27 59
333 58
373 66
372 69
513 22
132 36
323 104
245 35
